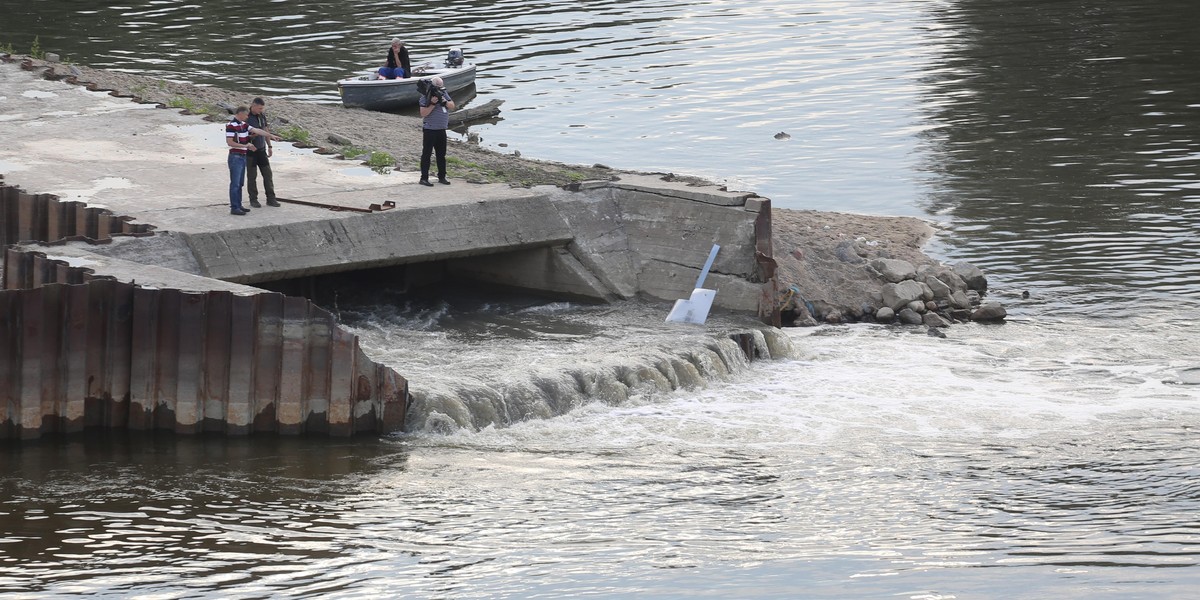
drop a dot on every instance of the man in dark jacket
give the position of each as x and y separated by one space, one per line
397 65
259 159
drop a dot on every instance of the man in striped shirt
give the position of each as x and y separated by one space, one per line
237 137
435 105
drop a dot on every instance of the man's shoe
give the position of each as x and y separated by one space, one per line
426 182
272 202
443 181
237 211
255 204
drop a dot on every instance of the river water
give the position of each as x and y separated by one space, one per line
1054 143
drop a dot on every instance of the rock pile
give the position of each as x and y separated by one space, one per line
933 295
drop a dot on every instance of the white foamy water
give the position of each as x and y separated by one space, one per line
878 459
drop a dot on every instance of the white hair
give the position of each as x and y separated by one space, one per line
437 81
396 41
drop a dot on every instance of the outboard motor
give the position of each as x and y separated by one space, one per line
454 58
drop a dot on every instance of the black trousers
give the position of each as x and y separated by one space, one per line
433 139
257 161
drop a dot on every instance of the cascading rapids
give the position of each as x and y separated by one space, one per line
476 359
446 406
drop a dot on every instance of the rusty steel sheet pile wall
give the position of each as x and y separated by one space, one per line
110 354
44 218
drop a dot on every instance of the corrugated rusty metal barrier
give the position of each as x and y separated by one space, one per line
80 351
44 218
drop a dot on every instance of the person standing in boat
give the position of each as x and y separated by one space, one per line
436 105
259 159
398 65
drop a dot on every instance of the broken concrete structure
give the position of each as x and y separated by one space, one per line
164 173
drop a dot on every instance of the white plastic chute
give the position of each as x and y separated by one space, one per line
695 309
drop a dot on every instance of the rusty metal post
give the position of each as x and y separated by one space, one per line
10 306
95 374
343 379
320 357
29 354
143 360
74 358
241 363
119 352
268 359
392 394
188 320
290 409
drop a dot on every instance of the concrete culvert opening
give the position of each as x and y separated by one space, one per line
537 274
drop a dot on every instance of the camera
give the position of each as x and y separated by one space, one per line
426 88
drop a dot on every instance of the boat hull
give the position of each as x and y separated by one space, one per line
395 94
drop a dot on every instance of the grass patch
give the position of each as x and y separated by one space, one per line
6 48
381 162
196 109
35 50
294 133
182 102
474 172
351 151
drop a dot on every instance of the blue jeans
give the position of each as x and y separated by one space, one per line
390 73
237 178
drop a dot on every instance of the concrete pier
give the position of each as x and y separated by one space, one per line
162 175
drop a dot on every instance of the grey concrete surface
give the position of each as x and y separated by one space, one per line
169 169
639 236
83 255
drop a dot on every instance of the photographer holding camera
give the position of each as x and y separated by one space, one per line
436 105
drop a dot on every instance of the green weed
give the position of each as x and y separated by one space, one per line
35 50
182 102
351 151
381 162
294 133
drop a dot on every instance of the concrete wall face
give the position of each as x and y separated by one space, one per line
651 241
387 238
110 354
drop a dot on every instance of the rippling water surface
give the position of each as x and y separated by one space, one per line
1055 144
1057 141
999 472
